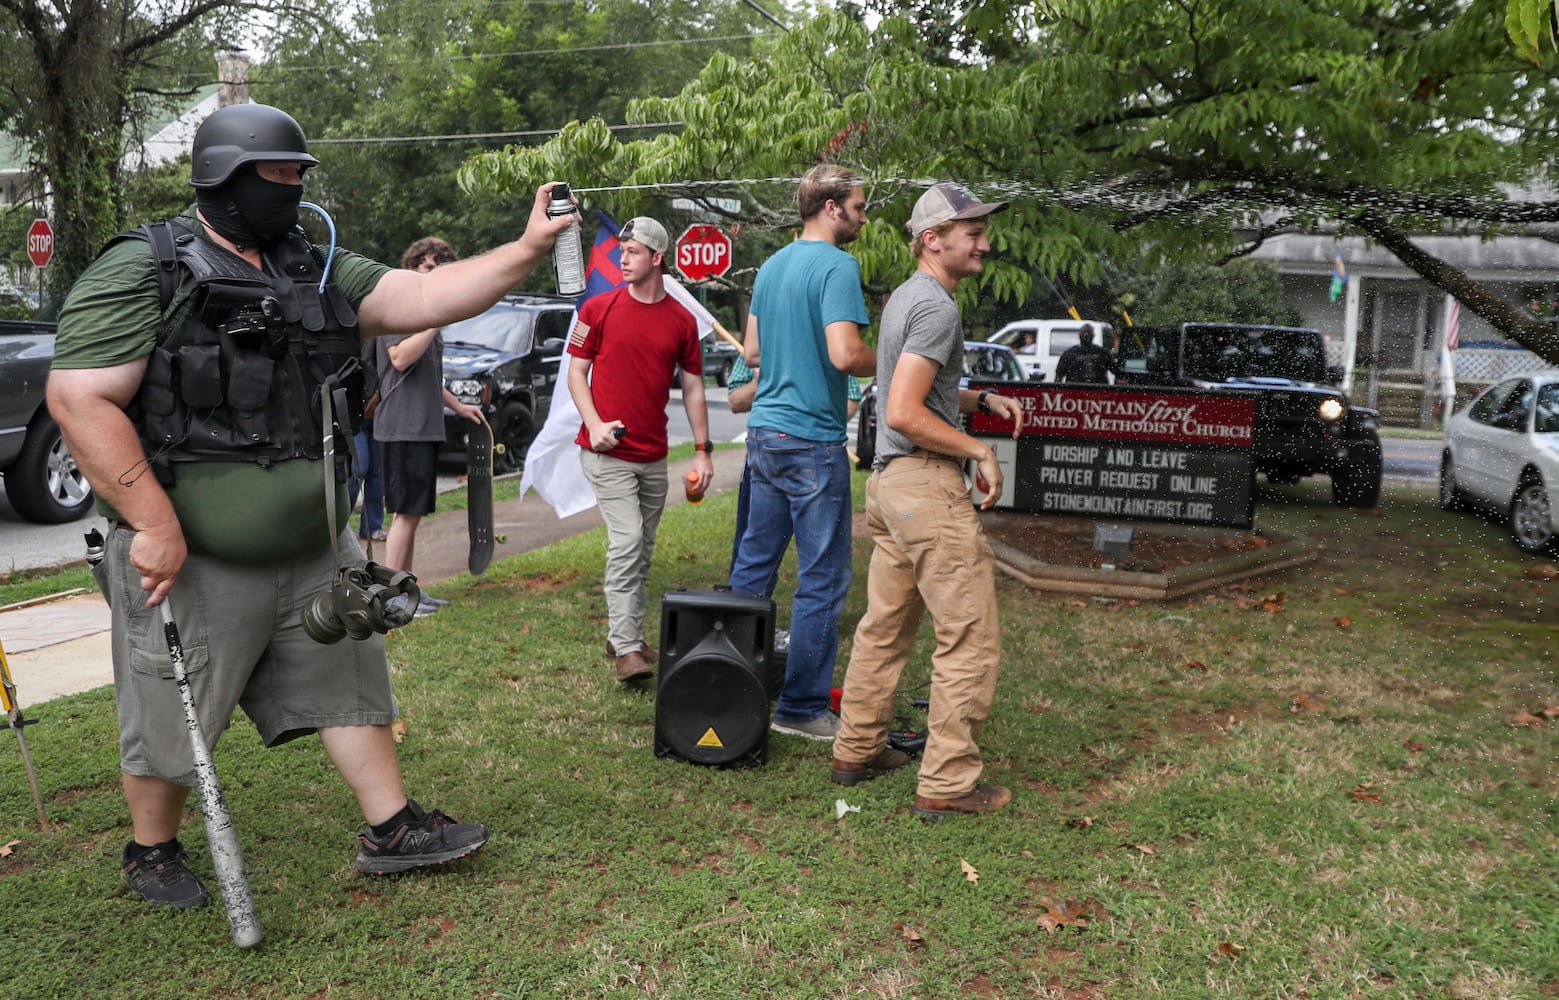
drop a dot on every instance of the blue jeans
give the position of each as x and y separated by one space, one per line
799 488
369 467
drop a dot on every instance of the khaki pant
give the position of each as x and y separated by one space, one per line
929 553
632 496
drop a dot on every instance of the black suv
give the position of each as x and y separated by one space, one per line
1304 424
505 361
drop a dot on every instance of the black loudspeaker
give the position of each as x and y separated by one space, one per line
718 672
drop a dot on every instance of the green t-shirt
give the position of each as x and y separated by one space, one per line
232 510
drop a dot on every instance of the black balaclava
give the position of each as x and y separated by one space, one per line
250 210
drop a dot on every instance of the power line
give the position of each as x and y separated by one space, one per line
457 136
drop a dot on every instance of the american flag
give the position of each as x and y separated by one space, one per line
1453 322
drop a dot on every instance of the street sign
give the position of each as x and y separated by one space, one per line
40 242
703 252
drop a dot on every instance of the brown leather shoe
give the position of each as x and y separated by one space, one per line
887 759
650 656
633 667
984 799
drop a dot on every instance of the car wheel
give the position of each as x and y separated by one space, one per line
865 434
43 484
1531 519
1451 497
723 376
1357 484
514 428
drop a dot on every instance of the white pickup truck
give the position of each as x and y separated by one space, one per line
1039 343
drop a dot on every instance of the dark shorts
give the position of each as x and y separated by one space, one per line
410 476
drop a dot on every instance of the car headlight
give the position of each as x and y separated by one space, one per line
1331 409
468 390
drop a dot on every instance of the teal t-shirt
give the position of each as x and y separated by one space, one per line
232 510
798 292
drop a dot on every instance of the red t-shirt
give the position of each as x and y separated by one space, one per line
634 348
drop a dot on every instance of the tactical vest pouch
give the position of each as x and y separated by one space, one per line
157 391
346 316
200 376
248 390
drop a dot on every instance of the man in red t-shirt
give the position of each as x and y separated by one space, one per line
624 349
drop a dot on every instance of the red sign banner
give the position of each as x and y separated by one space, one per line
1126 415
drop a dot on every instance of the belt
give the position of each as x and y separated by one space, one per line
926 455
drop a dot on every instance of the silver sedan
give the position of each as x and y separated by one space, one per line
1502 452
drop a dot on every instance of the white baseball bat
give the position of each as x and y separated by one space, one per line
221 837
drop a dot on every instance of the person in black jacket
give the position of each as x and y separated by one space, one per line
1087 362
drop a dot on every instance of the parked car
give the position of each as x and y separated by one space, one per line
719 358
42 482
982 360
506 361
1050 339
1305 425
1502 453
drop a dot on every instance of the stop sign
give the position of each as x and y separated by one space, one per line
703 251
40 242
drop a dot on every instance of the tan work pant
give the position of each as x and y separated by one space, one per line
929 553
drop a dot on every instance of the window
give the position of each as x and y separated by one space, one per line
1491 402
1547 409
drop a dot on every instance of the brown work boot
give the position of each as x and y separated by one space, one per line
633 667
984 799
650 656
887 759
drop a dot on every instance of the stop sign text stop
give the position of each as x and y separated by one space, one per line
703 251
40 242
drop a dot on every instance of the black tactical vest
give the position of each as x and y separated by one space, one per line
240 363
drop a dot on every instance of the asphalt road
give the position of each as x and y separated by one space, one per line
25 546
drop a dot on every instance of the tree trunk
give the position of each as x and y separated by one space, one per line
1537 336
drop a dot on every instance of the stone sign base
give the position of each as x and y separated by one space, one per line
1043 553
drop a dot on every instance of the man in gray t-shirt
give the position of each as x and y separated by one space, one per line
929 552
409 423
922 319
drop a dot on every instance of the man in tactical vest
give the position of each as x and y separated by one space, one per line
204 373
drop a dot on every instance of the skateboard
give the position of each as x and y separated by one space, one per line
479 495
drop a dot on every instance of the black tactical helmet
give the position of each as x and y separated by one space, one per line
245 133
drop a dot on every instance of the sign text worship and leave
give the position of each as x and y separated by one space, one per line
1114 453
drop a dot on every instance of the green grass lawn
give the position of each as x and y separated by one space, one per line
1313 784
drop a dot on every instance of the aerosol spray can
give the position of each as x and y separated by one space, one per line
568 254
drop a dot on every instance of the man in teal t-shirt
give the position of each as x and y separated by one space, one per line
808 308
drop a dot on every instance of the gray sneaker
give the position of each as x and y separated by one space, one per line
825 727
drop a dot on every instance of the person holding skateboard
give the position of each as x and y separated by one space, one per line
409 423
624 350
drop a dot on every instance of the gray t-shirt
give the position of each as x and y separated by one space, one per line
920 318
411 403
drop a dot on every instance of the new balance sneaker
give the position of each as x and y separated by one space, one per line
430 838
159 875
825 727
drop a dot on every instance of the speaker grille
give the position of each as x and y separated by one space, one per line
716 677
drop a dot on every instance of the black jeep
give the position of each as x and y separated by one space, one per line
1304 423
505 361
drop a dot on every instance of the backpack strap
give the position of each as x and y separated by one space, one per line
160 235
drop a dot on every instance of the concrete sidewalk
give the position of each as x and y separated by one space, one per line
61 646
